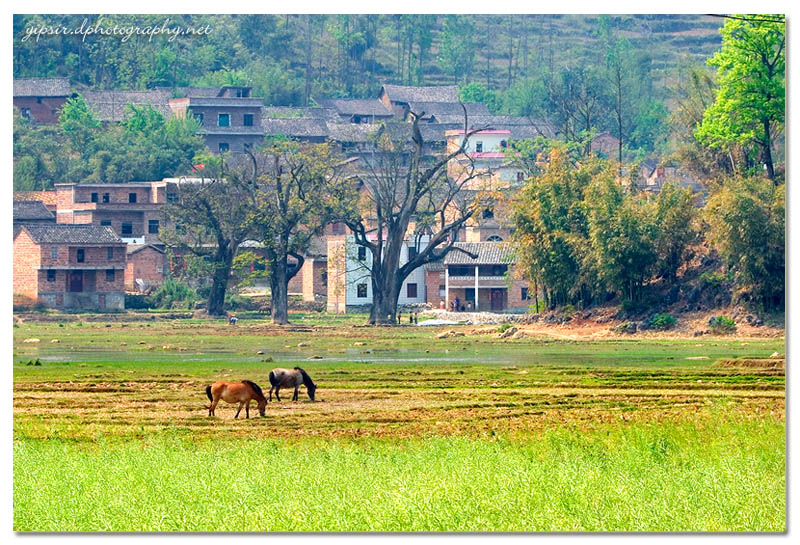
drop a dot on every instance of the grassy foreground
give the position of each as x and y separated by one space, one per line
644 477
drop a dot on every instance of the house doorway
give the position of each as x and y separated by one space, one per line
496 298
76 281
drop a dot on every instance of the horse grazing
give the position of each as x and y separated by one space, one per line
236 392
279 378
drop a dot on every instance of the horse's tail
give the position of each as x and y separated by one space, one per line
254 386
208 393
272 379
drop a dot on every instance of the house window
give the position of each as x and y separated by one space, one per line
520 176
411 291
172 197
109 275
198 117
224 147
80 255
105 223
38 100
25 112
110 253
488 213
503 144
494 238
106 197
54 253
152 227
51 275
337 228
356 119
469 294
362 253
442 290
361 290
95 197
127 228
131 197
412 252
524 294
248 120
479 147
55 113
224 120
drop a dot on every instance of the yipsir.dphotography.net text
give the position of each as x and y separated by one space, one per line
124 32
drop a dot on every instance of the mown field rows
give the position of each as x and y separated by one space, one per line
438 434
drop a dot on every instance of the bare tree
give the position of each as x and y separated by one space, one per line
399 186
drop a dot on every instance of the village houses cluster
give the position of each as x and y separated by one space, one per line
85 245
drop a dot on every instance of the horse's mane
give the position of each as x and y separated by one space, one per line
254 386
306 379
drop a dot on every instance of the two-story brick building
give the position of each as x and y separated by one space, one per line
70 266
229 122
40 99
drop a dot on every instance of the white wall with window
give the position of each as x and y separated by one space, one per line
359 282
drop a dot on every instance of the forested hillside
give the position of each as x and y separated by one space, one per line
289 58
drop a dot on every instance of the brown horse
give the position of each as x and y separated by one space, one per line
289 378
236 392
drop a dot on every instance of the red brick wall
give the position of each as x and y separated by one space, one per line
148 264
93 255
118 194
27 255
433 279
41 109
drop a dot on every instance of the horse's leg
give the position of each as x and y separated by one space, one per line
247 409
296 390
213 407
239 409
277 390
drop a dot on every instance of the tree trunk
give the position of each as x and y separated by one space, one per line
767 145
279 284
222 272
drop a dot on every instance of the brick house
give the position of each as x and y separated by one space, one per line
134 210
146 267
47 198
229 122
110 106
484 283
41 99
70 266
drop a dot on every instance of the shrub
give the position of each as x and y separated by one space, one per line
503 328
662 321
722 324
172 294
712 280
137 301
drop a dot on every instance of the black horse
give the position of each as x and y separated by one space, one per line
279 378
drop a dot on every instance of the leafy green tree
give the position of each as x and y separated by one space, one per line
622 234
456 48
750 104
676 219
293 204
477 92
748 224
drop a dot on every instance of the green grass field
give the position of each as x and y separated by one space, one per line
410 432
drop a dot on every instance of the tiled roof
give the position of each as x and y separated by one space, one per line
404 93
67 233
46 197
135 248
193 91
488 253
252 130
295 126
31 210
356 106
237 102
289 112
437 109
520 127
42 87
351 132
111 105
